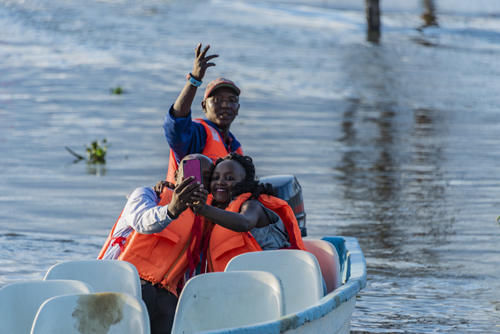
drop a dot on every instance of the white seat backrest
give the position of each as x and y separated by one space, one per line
227 299
298 271
101 275
20 301
104 312
328 260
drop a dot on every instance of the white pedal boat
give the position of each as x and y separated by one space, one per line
331 313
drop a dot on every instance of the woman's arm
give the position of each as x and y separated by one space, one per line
251 215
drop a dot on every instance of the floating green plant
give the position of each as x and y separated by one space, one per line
117 90
96 153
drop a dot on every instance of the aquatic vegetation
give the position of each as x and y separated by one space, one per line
76 155
96 153
117 90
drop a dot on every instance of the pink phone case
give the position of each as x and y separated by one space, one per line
192 168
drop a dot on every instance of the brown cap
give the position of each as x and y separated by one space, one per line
218 83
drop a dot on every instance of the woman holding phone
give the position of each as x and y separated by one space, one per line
246 215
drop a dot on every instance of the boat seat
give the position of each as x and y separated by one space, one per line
104 312
20 301
101 275
226 300
298 271
328 260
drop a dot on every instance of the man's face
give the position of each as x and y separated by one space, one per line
222 107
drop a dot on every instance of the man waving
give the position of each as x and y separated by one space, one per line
209 136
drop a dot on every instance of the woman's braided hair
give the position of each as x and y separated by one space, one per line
250 183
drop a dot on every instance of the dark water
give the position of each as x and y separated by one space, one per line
395 144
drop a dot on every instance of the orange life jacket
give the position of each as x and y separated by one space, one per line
214 149
109 239
165 198
163 258
225 244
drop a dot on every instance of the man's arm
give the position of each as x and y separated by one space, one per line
143 214
182 105
183 135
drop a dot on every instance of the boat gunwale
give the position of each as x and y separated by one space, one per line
328 303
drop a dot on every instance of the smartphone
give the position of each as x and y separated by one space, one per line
192 168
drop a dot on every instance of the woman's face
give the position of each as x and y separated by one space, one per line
225 176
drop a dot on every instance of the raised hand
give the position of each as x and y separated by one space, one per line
202 62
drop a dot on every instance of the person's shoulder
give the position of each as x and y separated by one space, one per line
172 121
251 204
235 144
171 114
141 192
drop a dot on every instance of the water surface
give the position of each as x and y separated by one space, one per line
395 144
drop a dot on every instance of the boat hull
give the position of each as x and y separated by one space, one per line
333 312
338 321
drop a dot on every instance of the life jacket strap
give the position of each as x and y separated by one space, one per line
120 241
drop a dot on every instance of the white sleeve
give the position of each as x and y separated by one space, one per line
142 212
